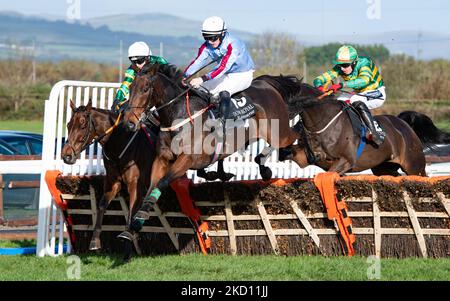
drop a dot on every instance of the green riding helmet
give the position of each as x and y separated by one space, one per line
345 55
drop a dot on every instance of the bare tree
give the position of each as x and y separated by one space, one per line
276 53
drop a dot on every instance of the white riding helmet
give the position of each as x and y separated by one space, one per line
213 26
139 49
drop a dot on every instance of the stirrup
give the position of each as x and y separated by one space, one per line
375 138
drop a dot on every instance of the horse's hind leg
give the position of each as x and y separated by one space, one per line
386 169
112 187
214 175
415 167
260 159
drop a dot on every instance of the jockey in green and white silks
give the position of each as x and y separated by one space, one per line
364 77
361 75
139 54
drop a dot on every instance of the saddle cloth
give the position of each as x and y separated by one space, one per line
357 122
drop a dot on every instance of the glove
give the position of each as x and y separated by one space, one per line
118 106
196 82
336 87
115 106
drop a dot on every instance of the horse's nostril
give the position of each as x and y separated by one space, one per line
67 158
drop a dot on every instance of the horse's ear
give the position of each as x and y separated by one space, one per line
89 105
72 106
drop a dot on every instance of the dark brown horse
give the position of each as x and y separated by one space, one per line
332 144
182 148
424 127
132 169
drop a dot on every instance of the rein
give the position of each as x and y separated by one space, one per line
326 126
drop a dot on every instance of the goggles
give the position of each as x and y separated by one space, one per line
211 38
138 59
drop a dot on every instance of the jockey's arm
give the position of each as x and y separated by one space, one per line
325 77
124 89
225 64
362 81
198 62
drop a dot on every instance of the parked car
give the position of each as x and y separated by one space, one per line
7 149
26 143
17 199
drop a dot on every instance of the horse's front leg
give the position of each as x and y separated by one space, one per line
341 166
175 171
112 187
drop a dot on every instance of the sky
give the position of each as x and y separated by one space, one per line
323 18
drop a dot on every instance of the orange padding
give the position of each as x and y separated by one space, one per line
371 178
181 188
337 210
50 179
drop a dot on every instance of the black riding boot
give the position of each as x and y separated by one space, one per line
224 108
369 121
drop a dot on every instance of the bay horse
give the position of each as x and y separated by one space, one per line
132 168
331 143
424 127
160 86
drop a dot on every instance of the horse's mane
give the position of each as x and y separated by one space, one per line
169 70
424 127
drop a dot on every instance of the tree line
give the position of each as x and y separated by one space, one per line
24 85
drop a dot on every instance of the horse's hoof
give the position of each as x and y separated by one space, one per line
265 172
128 251
225 177
125 235
95 244
211 176
142 215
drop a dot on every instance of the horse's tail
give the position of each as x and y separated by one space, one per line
424 128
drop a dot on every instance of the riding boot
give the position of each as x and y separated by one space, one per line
224 109
369 121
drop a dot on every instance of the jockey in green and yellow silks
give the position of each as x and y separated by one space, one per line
360 74
139 54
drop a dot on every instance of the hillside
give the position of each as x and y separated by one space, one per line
57 40
157 24
98 39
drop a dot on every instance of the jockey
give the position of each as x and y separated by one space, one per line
139 54
360 74
234 71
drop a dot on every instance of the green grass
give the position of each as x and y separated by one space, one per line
34 126
444 125
221 267
17 243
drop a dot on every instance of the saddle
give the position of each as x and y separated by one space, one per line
241 108
358 125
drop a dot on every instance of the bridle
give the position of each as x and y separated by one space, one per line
91 127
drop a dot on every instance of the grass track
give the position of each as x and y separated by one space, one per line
34 126
221 267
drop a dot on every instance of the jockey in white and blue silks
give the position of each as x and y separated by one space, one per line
235 68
